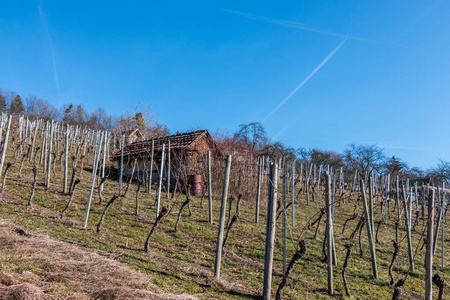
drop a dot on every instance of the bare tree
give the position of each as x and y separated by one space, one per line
40 109
441 173
395 166
277 150
321 157
364 158
252 134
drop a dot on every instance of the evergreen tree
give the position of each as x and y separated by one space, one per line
2 103
16 107
80 115
68 114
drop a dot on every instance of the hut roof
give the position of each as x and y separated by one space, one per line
177 141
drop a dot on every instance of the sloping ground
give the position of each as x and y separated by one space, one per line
37 267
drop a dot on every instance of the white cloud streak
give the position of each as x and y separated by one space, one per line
298 25
417 20
401 147
55 72
305 80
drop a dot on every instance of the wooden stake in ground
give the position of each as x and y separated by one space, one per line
284 222
168 169
122 146
94 174
158 199
440 214
442 223
210 189
408 229
429 253
329 235
369 231
49 163
333 200
270 232
137 197
223 208
5 145
104 160
293 191
150 172
371 198
258 191
66 160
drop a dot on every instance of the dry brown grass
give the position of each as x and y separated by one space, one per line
37 267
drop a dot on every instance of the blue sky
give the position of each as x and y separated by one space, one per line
370 72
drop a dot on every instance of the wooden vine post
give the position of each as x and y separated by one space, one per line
98 150
439 217
66 160
270 232
397 199
5 145
429 253
371 204
49 164
122 146
158 199
369 231
150 172
333 200
293 191
443 224
104 160
210 189
258 190
2 124
329 235
168 169
284 222
408 228
43 158
223 209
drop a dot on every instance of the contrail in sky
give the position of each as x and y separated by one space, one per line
306 79
298 25
55 73
418 19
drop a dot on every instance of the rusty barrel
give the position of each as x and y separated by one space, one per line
196 185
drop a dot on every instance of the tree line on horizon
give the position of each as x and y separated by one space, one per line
363 158
249 139
141 116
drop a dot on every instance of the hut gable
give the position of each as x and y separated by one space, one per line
132 136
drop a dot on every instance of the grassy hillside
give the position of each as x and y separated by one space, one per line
182 262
